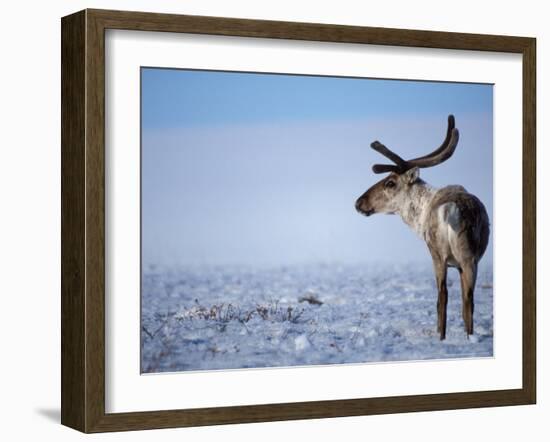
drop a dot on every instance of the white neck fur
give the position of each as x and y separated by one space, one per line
414 207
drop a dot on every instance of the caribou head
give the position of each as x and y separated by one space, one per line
394 191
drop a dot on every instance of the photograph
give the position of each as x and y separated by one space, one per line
300 216
292 220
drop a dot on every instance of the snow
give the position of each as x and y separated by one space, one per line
208 318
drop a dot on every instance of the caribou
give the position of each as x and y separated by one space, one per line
453 223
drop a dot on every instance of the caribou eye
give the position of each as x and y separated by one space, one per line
389 184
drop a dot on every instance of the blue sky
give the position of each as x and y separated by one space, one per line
245 168
177 98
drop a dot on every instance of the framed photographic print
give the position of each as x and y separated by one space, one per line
270 220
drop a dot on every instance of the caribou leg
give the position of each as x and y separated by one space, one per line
468 275
440 268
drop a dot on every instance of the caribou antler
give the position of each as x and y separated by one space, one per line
441 154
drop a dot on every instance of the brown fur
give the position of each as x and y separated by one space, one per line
473 228
470 238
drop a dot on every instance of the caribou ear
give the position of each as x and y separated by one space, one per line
412 175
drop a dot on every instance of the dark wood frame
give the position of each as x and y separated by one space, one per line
83 217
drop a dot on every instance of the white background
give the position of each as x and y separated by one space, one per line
30 222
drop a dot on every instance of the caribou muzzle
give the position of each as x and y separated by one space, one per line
363 208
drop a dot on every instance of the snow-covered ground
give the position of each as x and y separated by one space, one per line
231 317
